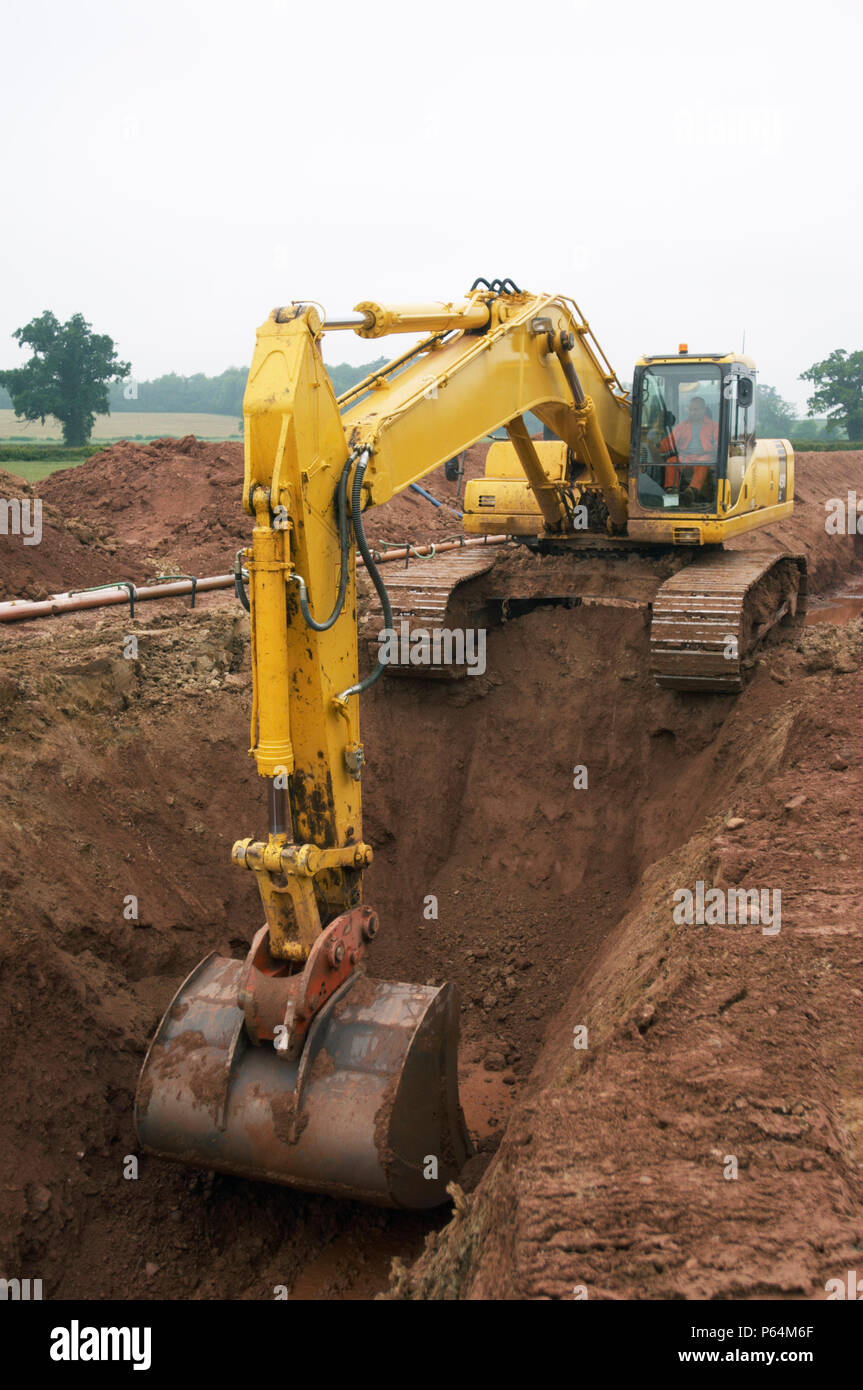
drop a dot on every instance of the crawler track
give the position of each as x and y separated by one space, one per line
422 594
709 617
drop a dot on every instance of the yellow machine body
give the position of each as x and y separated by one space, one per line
757 489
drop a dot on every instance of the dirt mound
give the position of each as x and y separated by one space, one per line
68 552
175 505
818 477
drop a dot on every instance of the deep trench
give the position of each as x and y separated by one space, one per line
469 797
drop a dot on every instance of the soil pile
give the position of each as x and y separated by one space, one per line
68 551
818 478
174 506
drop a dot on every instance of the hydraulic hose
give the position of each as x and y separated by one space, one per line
371 569
239 585
344 546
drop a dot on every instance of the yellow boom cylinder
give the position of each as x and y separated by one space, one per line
381 319
273 749
600 461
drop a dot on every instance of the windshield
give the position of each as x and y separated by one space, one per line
678 442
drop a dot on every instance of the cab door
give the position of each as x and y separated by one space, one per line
739 402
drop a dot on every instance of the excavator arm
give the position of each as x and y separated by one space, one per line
488 360
530 353
294 1065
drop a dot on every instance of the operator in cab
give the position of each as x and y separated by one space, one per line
692 445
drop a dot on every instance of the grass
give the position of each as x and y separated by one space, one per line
33 472
137 424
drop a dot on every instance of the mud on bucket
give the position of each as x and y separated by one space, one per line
369 1110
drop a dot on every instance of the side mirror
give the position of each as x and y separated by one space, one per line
745 391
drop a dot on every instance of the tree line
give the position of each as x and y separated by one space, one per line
210 395
74 374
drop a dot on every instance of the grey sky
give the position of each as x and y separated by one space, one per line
684 170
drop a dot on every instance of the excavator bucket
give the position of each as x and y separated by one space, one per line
368 1110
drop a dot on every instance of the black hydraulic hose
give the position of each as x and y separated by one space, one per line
344 546
371 569
239 586
506 286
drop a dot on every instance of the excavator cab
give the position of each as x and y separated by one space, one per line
693 430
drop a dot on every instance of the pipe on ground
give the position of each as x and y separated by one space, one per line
76 601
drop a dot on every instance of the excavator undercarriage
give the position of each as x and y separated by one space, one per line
709 618
706 621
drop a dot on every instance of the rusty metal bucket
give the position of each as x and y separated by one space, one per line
369 1110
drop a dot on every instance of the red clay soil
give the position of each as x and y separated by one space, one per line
174 502
174 505
70 552
708 1140
554 910
818 477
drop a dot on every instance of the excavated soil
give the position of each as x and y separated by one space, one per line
173 506
599 1168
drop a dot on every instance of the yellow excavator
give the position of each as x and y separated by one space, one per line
295 1065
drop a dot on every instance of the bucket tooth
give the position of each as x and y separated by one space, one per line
369 1110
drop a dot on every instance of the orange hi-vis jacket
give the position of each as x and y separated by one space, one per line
680 442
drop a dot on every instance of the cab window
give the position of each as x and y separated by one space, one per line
678 437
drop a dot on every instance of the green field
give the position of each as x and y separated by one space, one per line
140 425
32 471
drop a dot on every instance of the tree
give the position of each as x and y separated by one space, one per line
66 377
839 382
775 418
